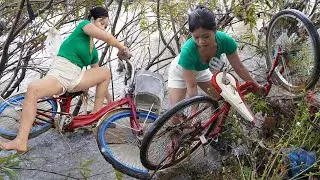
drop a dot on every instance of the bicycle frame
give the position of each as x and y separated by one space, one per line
242 90
86 120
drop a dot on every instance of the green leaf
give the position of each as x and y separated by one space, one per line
119 175
12 174
90 161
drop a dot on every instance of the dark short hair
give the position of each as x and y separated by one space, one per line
201 17
98 12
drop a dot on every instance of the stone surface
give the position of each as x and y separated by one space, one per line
55 156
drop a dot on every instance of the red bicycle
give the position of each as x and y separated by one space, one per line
293 57
120 125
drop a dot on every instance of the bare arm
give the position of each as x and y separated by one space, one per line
97 33
191 82
109 97
239 68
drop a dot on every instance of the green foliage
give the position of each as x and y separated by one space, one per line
144 23
247 172
99 2
119 175
7 164
84 168
259 104
299 133
303 134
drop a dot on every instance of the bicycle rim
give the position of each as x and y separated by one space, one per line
292 34
119 142
169 140
10 113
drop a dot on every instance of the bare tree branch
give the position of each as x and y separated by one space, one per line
163 50
9 39
160 31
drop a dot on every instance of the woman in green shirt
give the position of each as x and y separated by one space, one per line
66 74
191 68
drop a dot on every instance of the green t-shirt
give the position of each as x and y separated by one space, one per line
190 57
76 47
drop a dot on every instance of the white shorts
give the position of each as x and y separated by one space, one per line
67 73
175 75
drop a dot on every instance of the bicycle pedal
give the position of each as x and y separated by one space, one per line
62 122
203 139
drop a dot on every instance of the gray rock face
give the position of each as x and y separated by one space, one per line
56 156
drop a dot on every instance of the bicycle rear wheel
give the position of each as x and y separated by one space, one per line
170 139
293 38
119 141
10 112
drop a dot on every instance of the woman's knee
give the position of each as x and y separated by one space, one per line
105 72
33 89
104 76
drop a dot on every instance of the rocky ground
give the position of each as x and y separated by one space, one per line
56 156
76 156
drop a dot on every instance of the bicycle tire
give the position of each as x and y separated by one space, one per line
112 129
8 113
162 120
315 40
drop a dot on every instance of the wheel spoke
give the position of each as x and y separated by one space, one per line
293 33
166 145
10 114
120 141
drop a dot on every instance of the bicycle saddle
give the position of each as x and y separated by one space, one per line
230 93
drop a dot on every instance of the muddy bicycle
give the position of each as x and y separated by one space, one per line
292 61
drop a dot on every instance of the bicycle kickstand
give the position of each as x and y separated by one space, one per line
204 142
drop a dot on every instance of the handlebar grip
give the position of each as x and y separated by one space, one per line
130 71
251 87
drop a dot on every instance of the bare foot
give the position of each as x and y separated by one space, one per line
15 144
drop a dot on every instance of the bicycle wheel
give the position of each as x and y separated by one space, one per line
306 6
10 111
119 142
173 137
293 38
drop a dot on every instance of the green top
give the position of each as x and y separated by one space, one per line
190 57
76 47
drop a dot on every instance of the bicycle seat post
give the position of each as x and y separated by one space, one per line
225 80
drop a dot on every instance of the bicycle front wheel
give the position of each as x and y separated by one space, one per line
294 41
119 141
10 114
173 137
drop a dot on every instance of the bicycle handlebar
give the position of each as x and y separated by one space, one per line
128 68
249 86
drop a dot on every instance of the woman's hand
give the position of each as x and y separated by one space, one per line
261 90
124 53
